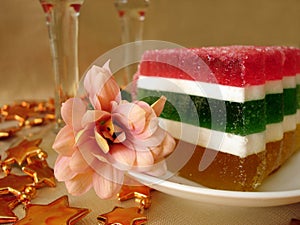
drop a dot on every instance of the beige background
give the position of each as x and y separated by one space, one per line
26 72
24 49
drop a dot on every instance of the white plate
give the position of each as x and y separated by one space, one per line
281 188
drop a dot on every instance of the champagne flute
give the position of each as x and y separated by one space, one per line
132 15
62 23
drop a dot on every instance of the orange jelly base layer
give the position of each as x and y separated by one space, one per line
230 172
297 137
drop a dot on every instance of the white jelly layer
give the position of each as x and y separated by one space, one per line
241 146
289 122
289 82
298 78
211 90
274 132
208 90
274 87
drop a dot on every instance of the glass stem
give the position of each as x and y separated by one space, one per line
132 16
62 22
132 28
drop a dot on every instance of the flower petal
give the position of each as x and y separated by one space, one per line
107 181
151 120
130 115
101 158
149 129
92 83
102 142
72 111
158 169
123 157
66 111
78 163
91 116
152 141
100 83
64 141
110 92
165 148
144 160
106 65
89 149
62 171
158 106
80 184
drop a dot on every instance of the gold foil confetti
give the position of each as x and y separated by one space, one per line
7 204
56 212
122 216
23 151
40 172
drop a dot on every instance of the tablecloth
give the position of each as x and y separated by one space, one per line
165 209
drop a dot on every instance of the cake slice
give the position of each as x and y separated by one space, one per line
235 99
274 61
290 102
298 98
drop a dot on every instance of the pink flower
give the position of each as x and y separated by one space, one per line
98 146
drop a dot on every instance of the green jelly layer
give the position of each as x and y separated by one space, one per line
298 96
231 117
274 108
290 101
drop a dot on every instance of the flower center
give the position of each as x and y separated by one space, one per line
107 133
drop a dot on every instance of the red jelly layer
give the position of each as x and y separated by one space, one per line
274 60
297 53
289 66
233 66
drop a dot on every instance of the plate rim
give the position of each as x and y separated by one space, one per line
239 198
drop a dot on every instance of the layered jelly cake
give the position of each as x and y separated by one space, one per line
242 102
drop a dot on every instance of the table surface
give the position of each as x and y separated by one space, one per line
165 209
23 27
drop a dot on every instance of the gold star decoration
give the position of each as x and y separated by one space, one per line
138 191
57 212
122 216
7 204
24 150
8 132
38 106
40 172
29 113
141 193
15 112
15 184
